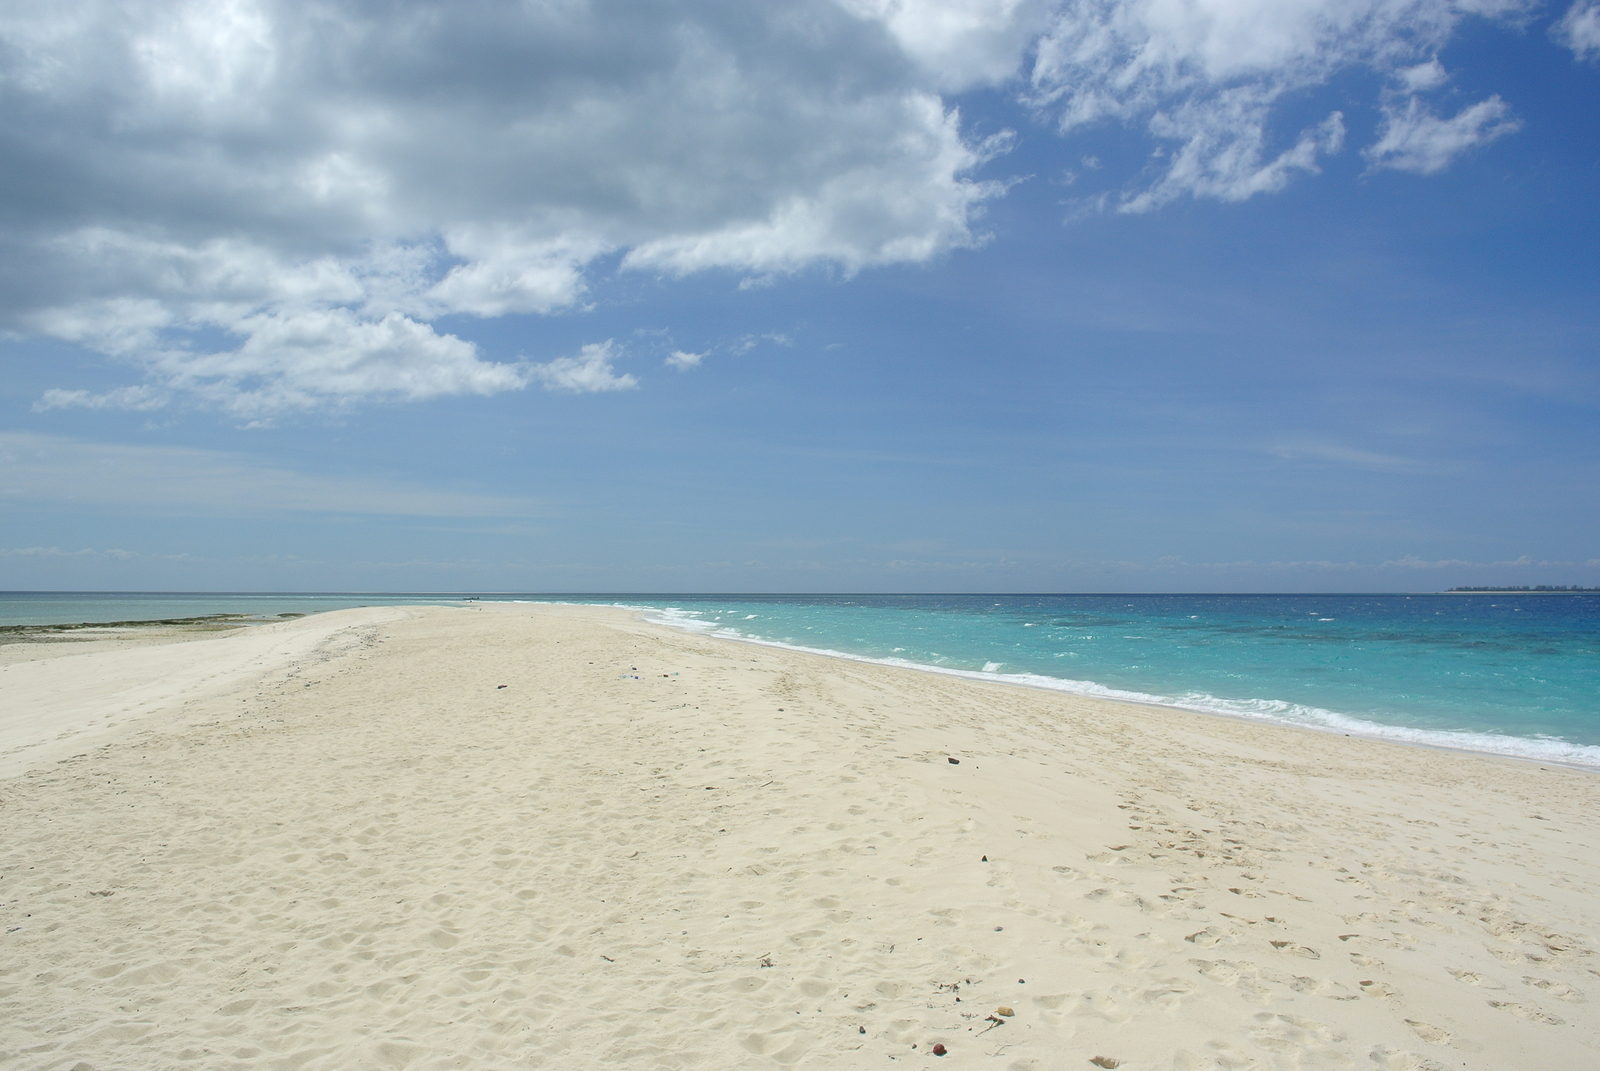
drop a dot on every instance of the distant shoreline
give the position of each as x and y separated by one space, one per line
199 623
1518 591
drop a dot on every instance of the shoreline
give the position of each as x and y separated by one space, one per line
130 633
1152 702
1108 694
558 835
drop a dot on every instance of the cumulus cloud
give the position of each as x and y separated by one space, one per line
1579 29
267 205
1413 139
960 43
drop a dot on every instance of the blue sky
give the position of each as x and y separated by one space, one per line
825 295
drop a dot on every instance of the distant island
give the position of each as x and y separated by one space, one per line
1547 589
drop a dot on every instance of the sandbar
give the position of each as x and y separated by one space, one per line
539 836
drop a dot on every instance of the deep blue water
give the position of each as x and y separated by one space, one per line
1507 673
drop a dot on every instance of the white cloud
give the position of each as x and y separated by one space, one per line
1206 75
1221 155
909 204
266 205
500 273
683 360
587 373
133 398
1422 77
1579 29
68 472
322 180
1414 139
960 43
289 359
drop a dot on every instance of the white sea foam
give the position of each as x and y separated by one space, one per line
1537 748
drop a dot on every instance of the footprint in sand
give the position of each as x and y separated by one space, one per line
1428 1032
1109 859
1167 995
1208 937
1525 1011
1290 1035
1400 1060
1474 978
1322 987
1559 990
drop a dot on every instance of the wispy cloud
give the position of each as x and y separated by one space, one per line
57 552
1526 561
1579 29
1205 80
589 372
67 472
1414 139
1354 457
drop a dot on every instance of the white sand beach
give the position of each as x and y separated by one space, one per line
527 836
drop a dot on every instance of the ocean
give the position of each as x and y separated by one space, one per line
1506 673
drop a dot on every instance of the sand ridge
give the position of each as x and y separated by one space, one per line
656 849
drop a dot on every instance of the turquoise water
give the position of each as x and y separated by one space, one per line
1508 674
1512 674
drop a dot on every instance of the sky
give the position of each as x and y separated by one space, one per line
806 295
